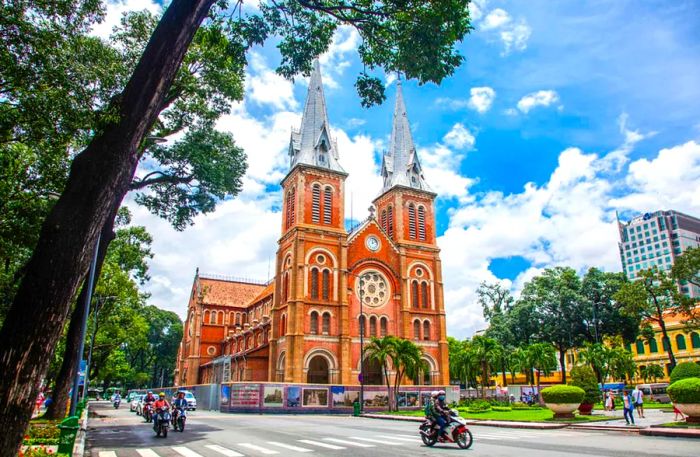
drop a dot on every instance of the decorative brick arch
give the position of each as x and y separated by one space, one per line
325 353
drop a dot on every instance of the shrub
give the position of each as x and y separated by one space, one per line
43 431
583 377
501 408
479 406
685 370
520 406
563 394
685 391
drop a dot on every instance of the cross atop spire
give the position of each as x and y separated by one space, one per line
312 143
400 166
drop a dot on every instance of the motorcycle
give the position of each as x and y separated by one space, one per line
455 432
148 412
117 403
161 422
179 419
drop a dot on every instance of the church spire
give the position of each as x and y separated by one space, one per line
400 166
312 143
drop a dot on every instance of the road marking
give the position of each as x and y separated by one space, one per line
186 452
223 450
489 436
108 454
390 443
289 446
262 450
394 437
351 443
318 443
146 453
409 436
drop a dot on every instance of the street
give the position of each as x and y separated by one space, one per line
120 433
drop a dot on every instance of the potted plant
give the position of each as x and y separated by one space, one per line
583 376
685 395
685 370
563 400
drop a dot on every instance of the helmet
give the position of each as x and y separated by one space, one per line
181 393
434 393
150 392
441 392
162 394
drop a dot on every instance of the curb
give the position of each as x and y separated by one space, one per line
79 446
670 432
503 424
606 428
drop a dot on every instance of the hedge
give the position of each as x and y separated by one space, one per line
685 391
583 376
685 370
563 394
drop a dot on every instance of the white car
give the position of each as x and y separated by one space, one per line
191 401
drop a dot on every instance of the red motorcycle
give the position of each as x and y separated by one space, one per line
148 412
455 432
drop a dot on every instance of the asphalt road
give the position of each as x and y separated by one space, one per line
120 433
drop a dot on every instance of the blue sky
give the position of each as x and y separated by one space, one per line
563 113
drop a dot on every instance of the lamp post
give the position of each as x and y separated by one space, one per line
362 348
100 301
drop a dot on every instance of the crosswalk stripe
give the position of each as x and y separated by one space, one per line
408 436
223 450
401 438
351 443
289 446
108 454
319 444
260 449
390 443
147 453
497 437
186 452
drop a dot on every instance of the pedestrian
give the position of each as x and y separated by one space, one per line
638 397
612 401
677 412
628 406
608 400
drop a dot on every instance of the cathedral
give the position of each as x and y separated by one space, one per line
331 286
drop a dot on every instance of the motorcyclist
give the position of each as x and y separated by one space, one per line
148 401
441 412
159 405
180 403
116 397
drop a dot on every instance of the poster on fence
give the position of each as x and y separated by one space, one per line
272 397
245 395
225 394
343 398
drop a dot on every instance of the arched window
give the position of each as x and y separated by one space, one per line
206 317
426 330
695 340
424 294
390 221
680 342
314 283
231 318
640 347
283 325
416 330
316 203
373 326
363 325
327 205
220 318
414 293
383 327
212 317
412 221
421 223
290 207
326 285
314 323
326 324
383 220
652 345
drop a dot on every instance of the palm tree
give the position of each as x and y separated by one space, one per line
467 365
382 351
622 364
599 357
486 350
407 359
544 359
520 361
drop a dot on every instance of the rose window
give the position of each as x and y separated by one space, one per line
372 289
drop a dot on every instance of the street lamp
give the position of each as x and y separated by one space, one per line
362 348
100 301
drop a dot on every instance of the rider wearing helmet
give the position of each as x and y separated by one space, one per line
441 411
150 398
180 402
159 405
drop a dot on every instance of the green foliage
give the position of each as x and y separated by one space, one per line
583 377
523 406
40 451
563 394
38 441
479 406
39 432
685 391
601 314
501 408
685 370
651 371
686 267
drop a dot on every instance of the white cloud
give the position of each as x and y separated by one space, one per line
514 34
539 98
335 60
452 103
459 137
481 98
265 87
497 18
476 9
116 8
617 158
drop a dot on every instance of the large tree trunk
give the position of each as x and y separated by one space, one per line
99 179
69 367
562 363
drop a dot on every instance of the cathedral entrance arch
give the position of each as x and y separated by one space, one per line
373 373
319 372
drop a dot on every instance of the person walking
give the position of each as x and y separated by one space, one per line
608 401
628 405
638 397
676 413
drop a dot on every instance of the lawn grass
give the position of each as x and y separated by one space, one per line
679 425
647 405
535 415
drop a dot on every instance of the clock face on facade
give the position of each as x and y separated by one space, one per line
372 243
372 289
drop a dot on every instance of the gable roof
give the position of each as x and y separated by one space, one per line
227 292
